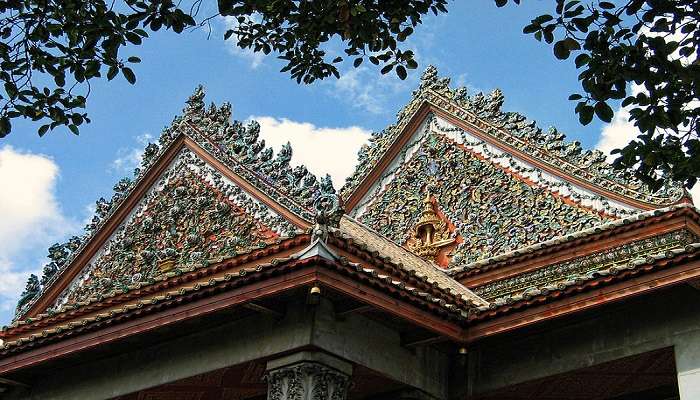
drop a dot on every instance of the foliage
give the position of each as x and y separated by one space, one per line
652 45
64 44
52 49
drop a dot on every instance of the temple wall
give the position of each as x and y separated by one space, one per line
669 319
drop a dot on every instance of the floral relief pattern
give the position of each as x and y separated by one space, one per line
579 268
493 211
187 219
514 130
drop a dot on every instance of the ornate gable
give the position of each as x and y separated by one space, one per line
494 210
193 215
514 133
209 189
498 179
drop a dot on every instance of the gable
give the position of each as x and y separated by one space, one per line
506 132
497 182
208 176
192 215
493 209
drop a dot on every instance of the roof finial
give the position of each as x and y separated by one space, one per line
195 103
328 209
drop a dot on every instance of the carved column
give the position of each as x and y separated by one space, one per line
308 376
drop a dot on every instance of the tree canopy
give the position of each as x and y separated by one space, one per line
51 50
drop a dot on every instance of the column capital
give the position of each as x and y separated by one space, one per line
308 376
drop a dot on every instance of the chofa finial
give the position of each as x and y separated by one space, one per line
328 208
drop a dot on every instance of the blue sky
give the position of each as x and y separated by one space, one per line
50 183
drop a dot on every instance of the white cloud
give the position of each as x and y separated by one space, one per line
30 216
366 88
616 134
130 158
323 150
255 59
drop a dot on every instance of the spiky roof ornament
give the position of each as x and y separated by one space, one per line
513 130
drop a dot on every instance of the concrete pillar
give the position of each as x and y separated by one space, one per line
308 376
687 352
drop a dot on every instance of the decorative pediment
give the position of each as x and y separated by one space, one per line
193 215
510 132
210 188
495 204
501 181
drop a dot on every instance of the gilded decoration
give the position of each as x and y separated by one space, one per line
493 211
430 233
581 266
192 216
484 113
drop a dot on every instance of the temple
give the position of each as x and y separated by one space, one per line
470 256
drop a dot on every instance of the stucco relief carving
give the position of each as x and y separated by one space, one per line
307 381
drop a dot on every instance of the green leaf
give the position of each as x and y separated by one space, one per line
571 44
129 75
532 28
581 60
43 129
561 51
401 72
112 72
603 111
133 38
5 126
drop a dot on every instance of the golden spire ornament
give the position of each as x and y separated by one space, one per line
430 233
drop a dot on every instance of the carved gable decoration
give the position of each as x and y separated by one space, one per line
511 130
193 215
493 209
240 222
500 180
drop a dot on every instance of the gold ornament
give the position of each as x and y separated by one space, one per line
430 233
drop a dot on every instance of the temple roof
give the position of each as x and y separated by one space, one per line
366 238
513 132
497 182
186 171
459 213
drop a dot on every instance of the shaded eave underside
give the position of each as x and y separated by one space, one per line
71 271
476 128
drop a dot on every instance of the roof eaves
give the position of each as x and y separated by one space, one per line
372 242
493 262
618 272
